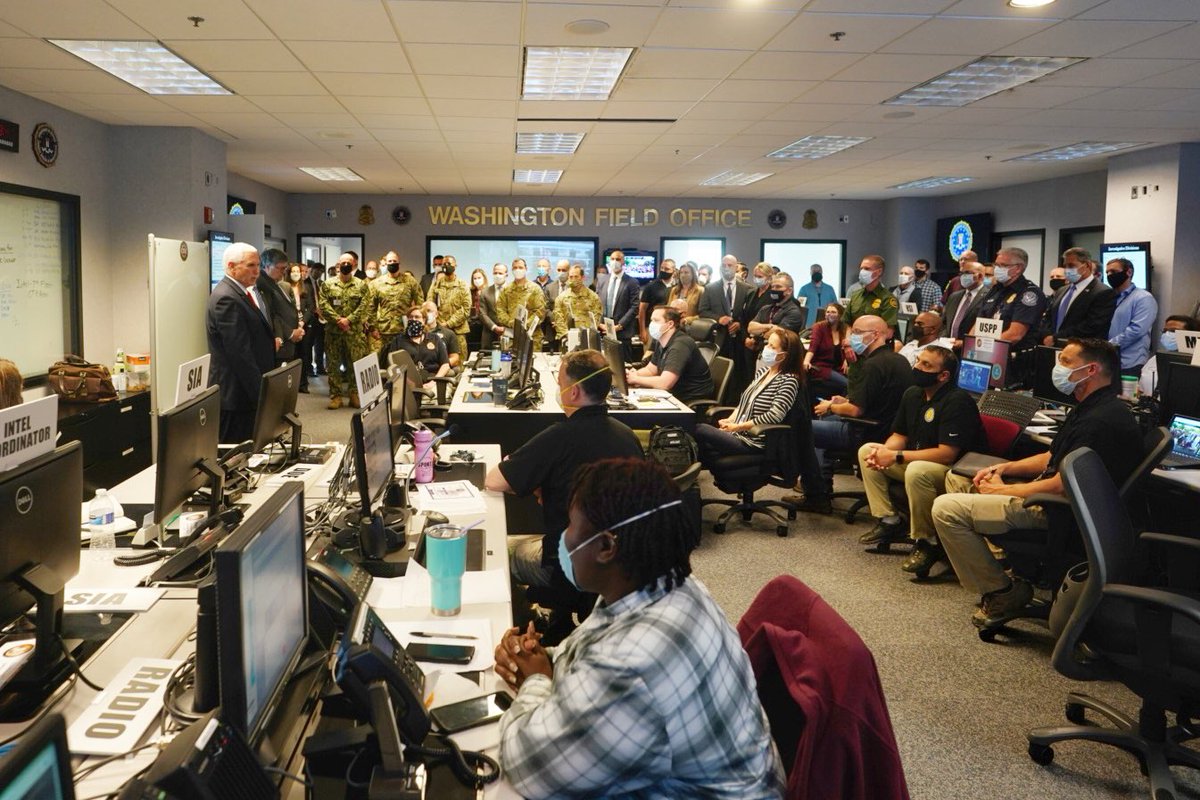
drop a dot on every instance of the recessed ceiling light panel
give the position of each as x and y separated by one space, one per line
332 173
536 175
552 144
931 182
572 73
981 78
818 146
731 178
1071 152
149 66
1029 3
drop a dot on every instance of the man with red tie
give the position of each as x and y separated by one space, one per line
241 340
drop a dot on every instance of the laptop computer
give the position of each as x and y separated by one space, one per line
1185 448
973 376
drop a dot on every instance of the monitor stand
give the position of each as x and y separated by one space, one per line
48 668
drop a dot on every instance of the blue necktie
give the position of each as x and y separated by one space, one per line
1062 307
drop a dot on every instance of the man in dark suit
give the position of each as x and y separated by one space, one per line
241 341
1082 309
430 274
963 305
723 301
312 349
492 330
285 317
619 301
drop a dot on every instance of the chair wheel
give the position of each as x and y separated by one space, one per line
1075 712
883 547
1164 794
719 527
781 531
1040 753
791 514
989 635
1144 768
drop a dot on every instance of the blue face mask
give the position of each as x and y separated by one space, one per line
541 271
1061 378
1072 275
865 276
857 344
1168 341
966 280
1001 275
987 281
564 555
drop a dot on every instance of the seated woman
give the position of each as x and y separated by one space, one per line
768 399
428 352
823 363
10 384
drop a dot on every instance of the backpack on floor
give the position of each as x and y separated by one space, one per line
674 448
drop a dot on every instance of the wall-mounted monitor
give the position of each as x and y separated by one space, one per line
640 264
1137 252
218 242
957 235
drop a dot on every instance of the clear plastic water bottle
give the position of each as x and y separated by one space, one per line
102 524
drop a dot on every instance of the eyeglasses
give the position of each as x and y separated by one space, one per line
1007 264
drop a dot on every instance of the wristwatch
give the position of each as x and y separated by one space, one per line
899 456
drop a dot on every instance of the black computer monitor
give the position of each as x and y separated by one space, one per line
522 363
373 452
902 326
1180 391
993 352
973 376
39 766
276 414
187 454
1044 359
39 553
1162 372
262 609
397 386
616 364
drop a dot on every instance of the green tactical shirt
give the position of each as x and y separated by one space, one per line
347 300
453 301
581 305
390 301
878 302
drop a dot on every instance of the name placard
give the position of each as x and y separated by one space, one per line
28 431
193 378
91 601
988 328
366 375
117 718
909 309
1187 340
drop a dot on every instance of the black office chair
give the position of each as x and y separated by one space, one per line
1014 407
1146 638
431 404
703 330
721 370
862 430
776 464
1043 555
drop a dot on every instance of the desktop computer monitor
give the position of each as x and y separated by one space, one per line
39 766
1180 393
989 351
616 364
522 365
39 553
373 452
187 454
397 385
262 610
1044 359
276 413
973 376
902 326
1162 370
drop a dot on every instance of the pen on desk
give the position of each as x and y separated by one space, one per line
434 635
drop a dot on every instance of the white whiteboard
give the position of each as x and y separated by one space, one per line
35 294
178 304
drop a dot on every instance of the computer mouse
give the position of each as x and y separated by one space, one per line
436 518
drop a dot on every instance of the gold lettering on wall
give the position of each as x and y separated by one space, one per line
571 216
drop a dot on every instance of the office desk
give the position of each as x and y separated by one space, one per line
480 422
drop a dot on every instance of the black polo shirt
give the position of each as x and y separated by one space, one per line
881 381
1104 423
682 357
429 354
654 294
787 314
949 417
549 460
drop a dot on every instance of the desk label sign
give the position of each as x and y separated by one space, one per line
108 601
117 718
909 308
366 375
989 328
193 378
1187 341
27 431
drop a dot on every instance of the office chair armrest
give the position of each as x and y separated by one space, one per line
862 421
434 409
701 406
761 430
1046 500
1142 595
1166 538
714 413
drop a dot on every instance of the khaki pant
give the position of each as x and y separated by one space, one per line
525 561
923 482
963 520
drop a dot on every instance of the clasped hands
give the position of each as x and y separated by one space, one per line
822 408
880 457
520 655
989 480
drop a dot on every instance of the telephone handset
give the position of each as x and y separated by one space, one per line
335 589
524 399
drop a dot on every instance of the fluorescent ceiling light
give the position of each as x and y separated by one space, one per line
149 66
572 73
553 144
332 173
982 78
536 175
735 178
818 146
1078 150
930 183
1029 3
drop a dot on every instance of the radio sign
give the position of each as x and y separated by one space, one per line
10 136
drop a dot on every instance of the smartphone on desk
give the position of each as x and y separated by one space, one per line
455 717
441 653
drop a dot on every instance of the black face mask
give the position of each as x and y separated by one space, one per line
414 329
665 276
447 269
920 273
1057 283
918 331
345 269
1116 279
816 276
393 268
924 379
775 295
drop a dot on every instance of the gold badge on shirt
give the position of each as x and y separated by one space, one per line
1011 297
875 303
929 415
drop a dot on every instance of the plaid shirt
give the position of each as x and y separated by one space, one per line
652 697
926 294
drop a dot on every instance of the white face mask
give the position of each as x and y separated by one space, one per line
478 280
905 279
655 330
430 318
1000 274
770 355
372 273
518 274
499 279
616 267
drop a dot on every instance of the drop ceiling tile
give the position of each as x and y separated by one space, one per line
816 112
872 6
1187 77
722 29
507 109
1060 9
123 103
550 109
72 19
332 56
1139 9
853 91
449 21
10 31
1112 72
79 103
223 19
545 24
692 139
760 91
416 106
865 33
704 126
65 80
1090 38
256 56
1181 43
319 20
366 84
969 38
494 60
411 135
322 103
303 121
398 123
1036 96
470 88
913 69
246 121
662 89
270 83
200 104
1132 98
651 62
617 109
495 124
800 66
37 54
790 130
555 127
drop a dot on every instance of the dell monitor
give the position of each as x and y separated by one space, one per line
373 452
39 766
616 364
973 376
1044 359
276 414
993 352
39 553
262 610
187 456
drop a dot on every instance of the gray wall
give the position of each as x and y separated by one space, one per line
272 204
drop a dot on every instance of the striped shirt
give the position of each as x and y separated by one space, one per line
652 697
766 401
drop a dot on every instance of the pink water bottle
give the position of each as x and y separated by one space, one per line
423 453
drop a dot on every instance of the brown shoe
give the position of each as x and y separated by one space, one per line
812 505
1003 604
335 402
354 400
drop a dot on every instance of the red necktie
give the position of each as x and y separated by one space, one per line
253 302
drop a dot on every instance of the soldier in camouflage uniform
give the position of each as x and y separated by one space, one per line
452 297
344 303
392 294
522 293
576 302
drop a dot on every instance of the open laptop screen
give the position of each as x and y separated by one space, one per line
1185 433
973 376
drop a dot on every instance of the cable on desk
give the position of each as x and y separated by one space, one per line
182 679
350 768
305 782
471 768
75 664
90 768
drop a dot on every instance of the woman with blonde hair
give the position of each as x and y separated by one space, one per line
685 294
10 384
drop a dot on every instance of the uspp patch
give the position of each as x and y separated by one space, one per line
929 415
1029 298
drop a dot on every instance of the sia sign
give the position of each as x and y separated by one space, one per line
573 216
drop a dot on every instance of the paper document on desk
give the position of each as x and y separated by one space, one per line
479 629
13 654
485 586
450 498
651 398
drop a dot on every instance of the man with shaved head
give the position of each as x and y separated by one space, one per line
925 330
